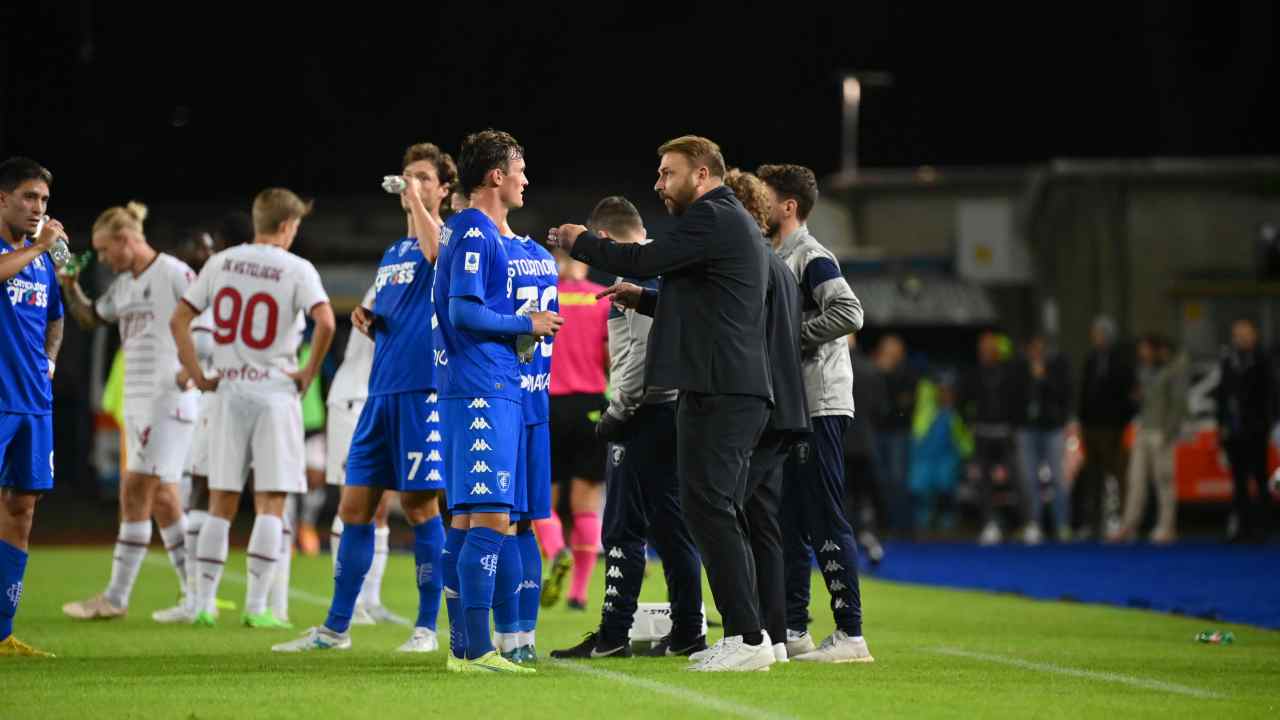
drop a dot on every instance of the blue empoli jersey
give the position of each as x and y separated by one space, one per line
473 264
535 274
34 301
403 307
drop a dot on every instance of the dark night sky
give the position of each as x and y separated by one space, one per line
94 93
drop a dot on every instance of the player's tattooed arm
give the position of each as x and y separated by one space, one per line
53 342
77 303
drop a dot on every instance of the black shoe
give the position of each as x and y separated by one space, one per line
684 648
575 605
589 649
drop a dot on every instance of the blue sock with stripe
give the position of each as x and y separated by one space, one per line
453 542
355 555
428 542
506 588
477 573
531 587
13 566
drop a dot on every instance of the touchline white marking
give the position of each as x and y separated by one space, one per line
672 691
294 593
1138 682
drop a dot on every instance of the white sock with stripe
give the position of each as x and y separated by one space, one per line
131 549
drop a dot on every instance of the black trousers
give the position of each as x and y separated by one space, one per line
1104 455
764 504
1247 453
644 505
813 518
864 505
991 454
716 435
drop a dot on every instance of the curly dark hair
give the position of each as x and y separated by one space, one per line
753 194
446 170
792 182
483 151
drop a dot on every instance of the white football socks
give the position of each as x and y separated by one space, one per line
211 557
264 545
278 598
371 591
174 538
131 548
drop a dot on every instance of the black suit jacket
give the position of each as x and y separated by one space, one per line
708 332
783 308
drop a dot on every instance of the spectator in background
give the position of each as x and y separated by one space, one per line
1162 382
987 403
578 382
941 443
1106 406
871 405
1044 400
893 431
1246 400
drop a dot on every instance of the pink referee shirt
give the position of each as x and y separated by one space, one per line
578 360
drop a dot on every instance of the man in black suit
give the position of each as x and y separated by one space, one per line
708 341
1246 400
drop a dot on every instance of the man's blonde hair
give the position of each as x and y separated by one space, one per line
277 205
700 151
117 219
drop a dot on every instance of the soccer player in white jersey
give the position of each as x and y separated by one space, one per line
159 413
256 291
235 228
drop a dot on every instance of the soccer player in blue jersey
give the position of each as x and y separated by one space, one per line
32 329
480 396
397 441
516 595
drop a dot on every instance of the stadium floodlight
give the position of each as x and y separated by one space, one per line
852 84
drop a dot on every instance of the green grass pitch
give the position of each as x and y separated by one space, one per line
939 653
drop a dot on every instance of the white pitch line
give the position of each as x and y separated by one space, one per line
672 691
1138 682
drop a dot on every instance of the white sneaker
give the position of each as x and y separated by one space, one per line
361 616
780 653
97 607
991 535
737 656
799 643
839 648
1032 534
704 654
179 614
316 638
423 640
381 614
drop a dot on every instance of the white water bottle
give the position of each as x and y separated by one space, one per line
394 184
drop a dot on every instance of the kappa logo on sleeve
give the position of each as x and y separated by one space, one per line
473 233
471 262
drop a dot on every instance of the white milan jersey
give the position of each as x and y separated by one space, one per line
351 382
142 305
256 293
